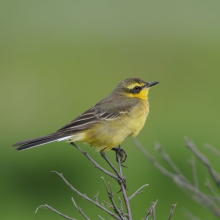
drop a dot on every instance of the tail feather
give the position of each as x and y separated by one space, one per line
39 141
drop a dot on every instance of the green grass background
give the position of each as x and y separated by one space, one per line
58 58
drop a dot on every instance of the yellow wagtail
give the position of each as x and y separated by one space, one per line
119 115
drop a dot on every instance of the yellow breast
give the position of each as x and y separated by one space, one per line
138 117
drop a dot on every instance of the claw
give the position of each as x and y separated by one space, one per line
121 153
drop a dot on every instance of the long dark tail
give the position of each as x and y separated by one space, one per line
39 141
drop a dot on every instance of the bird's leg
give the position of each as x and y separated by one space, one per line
121 153
110 164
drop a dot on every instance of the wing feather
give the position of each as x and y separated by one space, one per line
102 111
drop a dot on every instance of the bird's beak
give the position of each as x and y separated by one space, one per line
151 84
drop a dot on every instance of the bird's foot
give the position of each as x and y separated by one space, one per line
121 154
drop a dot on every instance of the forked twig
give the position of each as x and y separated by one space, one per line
54 210
215 176
79 209
86 197
110 195
151 210
138 191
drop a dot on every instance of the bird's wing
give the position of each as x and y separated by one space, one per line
82 122
104 110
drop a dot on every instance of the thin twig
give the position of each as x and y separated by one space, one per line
148 214
215 197
215 176
96 164
54 210
171 211
193 168
86 197
152 209
96 197
190 216
166 157
151 159
121 207
108 204
79 209
213 150
110 195
101 217
126 200
138 191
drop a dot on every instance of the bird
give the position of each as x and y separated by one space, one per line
108 123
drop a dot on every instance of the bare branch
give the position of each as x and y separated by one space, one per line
151 210
213 150
190 216
54 210
86 197
215 176
193 168
79 209
152 160
138 191
110 195
215 197
121 207
96 164
166 157
101 217
126 200
171 212
96 197
183 183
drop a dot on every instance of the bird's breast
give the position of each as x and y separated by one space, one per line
138 116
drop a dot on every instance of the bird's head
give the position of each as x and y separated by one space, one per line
134 87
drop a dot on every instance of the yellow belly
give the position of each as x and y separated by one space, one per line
108 134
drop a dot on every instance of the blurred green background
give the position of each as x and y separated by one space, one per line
58 58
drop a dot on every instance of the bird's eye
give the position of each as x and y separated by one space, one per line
137 87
